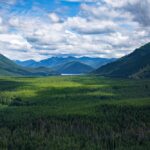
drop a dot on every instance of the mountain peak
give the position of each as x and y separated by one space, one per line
74 67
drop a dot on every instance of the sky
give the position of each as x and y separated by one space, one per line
39 29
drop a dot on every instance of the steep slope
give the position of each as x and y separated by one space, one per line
142 74
9 68
74 68
129 65
55 61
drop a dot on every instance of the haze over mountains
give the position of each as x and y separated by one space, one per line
55 61
68 65
74 68
48 67
9 68
134 65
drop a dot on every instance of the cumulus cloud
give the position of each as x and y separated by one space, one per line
84 26
104 28
54 17
8 1
140 11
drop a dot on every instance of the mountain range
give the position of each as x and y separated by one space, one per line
134 65
56 61
67 65
9 68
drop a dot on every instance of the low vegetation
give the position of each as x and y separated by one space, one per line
74 113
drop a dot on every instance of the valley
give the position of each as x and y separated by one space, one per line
72 105
74 75
74 112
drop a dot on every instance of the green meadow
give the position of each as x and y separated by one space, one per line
74 113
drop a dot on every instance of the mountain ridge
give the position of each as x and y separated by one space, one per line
127 66
74 67
10 68
55 61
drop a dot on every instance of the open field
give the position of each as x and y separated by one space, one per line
74 113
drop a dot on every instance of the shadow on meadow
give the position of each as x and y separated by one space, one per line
8 85
56 96
90 90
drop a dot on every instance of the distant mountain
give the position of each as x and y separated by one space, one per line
9 68
42 71
55 61
28 63
74 67
95 62
135 65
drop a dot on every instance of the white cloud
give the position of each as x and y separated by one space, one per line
14 42
54 17
109 29
8 1
84 26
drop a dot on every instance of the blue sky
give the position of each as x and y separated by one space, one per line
48 5
38 29
63 8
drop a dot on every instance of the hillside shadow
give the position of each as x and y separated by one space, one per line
69 96
94 80
90 90
6 85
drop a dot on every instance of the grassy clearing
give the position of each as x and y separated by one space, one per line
81 113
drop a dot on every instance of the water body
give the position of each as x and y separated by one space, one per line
71 74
